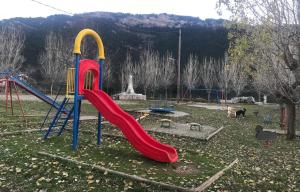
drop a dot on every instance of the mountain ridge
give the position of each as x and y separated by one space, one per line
123 32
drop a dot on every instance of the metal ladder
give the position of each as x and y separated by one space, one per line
60 119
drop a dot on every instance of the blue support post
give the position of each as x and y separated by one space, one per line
76 104
79 109
99 134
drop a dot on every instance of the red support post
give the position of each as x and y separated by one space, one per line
20 103
11 99
6 94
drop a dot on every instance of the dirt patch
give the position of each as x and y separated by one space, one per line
186 169
183 130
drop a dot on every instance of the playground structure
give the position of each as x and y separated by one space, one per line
10 82
84 81
7 86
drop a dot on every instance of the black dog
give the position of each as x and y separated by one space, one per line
240 112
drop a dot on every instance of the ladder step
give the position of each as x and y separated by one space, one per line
59 124
53 133
55 127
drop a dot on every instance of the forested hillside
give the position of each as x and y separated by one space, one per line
122 33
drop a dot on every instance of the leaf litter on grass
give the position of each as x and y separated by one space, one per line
275 168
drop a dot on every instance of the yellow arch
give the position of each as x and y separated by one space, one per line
95 35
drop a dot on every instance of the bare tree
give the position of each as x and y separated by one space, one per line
191 73
275 77
223 76
11 47
207 75
271 44
238 78
167 69
56 58
147 68
155 72
260 81
230 76
107 73
85 50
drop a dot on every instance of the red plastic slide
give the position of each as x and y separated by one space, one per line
132 130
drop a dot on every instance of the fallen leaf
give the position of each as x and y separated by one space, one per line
18 170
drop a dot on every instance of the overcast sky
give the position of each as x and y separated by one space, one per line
31 8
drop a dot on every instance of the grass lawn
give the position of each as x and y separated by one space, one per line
259 169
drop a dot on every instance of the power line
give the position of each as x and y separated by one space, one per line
49 6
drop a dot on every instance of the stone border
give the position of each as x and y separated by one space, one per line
281 132
214 133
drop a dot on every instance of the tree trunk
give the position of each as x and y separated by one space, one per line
51 89
190 94
225 95
153 94
208 96
291 114
166 93
297 72
107 86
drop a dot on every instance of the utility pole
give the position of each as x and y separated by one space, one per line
178 66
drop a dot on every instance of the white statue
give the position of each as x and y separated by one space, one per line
265 99
130 94
130 86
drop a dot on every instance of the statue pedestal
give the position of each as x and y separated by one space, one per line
132 96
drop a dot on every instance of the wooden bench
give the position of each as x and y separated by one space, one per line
195 126
165 123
